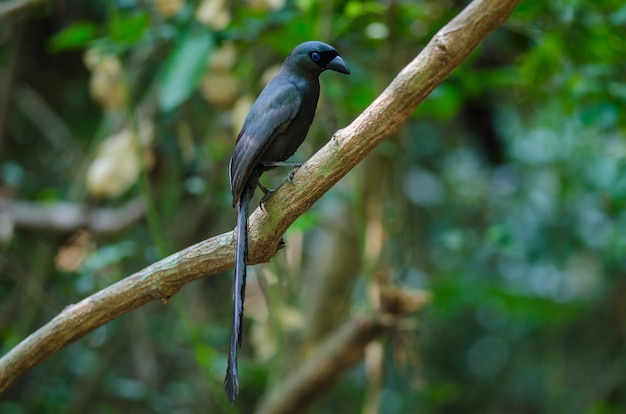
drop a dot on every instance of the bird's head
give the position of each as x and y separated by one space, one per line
315 57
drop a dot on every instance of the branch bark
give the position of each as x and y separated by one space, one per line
347 147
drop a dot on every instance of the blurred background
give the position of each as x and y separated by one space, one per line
502 196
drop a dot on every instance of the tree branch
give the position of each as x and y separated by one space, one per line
340 351
448 48
13 7
66 217
344 348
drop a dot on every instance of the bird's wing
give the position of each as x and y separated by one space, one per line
270 115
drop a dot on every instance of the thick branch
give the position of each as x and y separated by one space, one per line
450 46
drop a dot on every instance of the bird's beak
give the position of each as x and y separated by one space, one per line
338 65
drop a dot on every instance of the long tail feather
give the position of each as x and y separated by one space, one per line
231 382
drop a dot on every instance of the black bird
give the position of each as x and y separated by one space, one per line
274 128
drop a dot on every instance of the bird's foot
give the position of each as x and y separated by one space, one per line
293 164
291 173
282 164
266 194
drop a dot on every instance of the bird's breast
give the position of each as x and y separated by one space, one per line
287 140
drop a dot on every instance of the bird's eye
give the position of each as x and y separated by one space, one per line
315 56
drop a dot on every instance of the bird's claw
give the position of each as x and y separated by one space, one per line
266 194
290 175
264 199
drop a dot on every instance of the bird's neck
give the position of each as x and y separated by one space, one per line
302 74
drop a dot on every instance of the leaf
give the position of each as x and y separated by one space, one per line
76 36
127 30
356 9
184 69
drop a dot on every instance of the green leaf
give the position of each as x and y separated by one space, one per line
356 9
76 36
184 68
127 30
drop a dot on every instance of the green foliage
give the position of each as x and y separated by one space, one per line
76 36
185 67
503 196
306 222
128 29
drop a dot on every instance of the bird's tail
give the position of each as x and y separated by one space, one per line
231 382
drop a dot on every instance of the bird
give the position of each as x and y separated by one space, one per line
274 128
